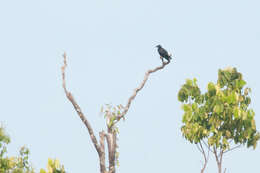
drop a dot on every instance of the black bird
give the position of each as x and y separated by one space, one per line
163 53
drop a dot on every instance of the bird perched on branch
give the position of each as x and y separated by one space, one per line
163 53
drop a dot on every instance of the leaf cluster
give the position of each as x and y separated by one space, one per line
111 113
53 166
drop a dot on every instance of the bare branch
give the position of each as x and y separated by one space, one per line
232 148
199 148
126 108
203 152
77 108
207 146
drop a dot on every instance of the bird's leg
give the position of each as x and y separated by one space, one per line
161 59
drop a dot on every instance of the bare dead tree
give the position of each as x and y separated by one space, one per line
110 136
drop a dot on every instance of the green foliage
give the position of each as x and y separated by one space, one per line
189 90
111 113
53 167
4 140
20 163
221 115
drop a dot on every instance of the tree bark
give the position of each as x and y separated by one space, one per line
102 157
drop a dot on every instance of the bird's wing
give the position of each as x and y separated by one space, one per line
163 52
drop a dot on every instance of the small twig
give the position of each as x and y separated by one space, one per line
207 146
232 148
202 150
199 148
126 108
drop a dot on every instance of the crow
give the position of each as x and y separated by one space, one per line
163 53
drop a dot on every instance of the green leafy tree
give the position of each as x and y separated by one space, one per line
20 163
219 120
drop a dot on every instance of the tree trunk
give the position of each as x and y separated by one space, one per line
218 158
219 168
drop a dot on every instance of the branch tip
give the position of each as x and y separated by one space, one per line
131 98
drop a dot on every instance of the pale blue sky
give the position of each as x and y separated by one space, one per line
110 45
